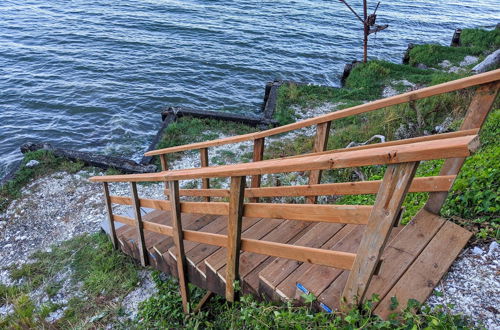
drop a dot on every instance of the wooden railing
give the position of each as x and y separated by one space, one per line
402 161
401 157
483 98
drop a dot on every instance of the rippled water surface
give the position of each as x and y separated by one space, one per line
94 75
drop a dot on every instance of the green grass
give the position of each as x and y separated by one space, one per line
186 130
365 83
164 311
103 273
475 42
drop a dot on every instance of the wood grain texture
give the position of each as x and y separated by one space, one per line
109 209
436 149
205 182
179 244
402 251
389 199
423 275
320 144
143 252
234 234
422 184
357 214
258 154
478 110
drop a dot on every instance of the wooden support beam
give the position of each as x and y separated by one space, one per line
478 110
164 167
422 184
203 301
234 234
437 149
179 244
258 155
136 205
320 144
111 223
163 162
397 180
205 182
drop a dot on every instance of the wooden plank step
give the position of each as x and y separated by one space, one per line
286 289
198 252
317 278
250 283
423 275
286 231
329 299
218 259
206 223
280 268
127 235
196 257
160 248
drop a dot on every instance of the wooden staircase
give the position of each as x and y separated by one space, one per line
343 254
281 279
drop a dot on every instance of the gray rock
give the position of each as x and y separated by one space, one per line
422 66
32 163
489 62
445 64
493 247
477 250
468 60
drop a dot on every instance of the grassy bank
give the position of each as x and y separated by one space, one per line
103 277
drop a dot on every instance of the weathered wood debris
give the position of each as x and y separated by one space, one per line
91 159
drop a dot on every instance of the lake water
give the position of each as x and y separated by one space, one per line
94 75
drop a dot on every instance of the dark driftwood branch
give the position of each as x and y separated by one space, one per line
218 115
169 118
91 159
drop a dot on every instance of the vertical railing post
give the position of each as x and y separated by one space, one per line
111 222
320 144
390 196
234 219
143 251
478 110
164 167
179 243
258 154
205 182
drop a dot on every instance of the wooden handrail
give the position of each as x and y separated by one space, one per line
436 149
421 184
450 86
354 214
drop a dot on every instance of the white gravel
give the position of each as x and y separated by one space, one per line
54 209
472 285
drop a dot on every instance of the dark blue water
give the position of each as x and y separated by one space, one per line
94 75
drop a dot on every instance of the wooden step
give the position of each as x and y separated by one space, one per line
280 268
218 259
419 280
285 290
330 298
285 232
160 248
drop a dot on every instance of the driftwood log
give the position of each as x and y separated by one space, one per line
91 159
218 115
169 118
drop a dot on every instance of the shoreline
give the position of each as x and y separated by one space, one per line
55 181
